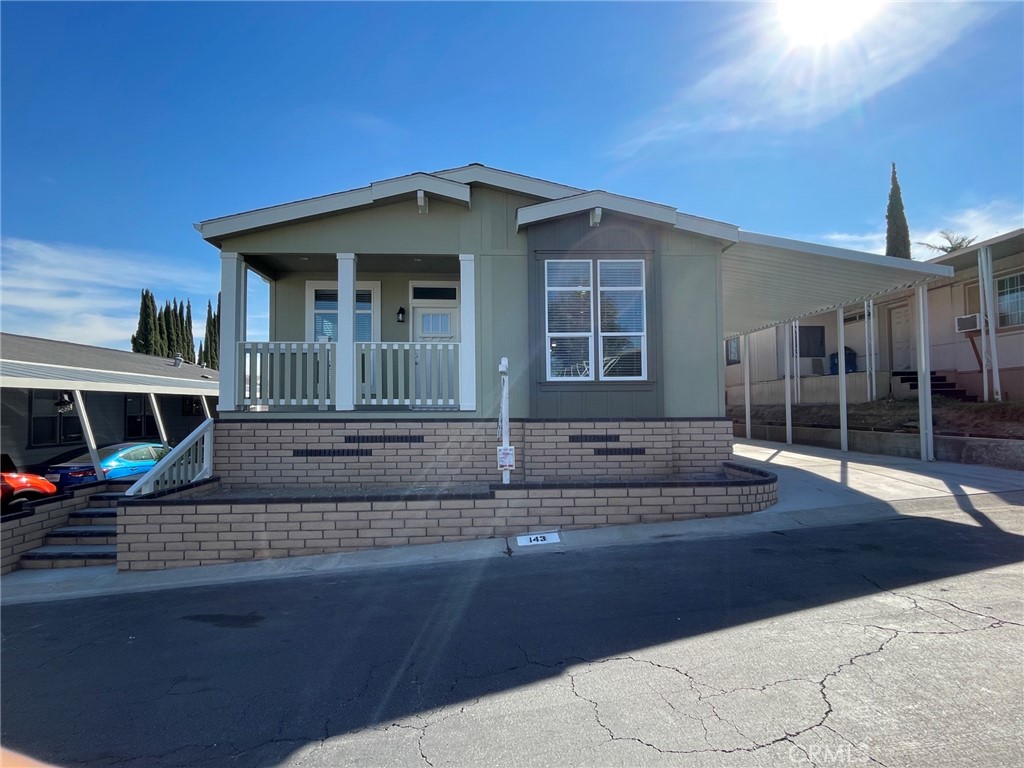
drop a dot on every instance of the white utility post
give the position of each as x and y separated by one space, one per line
506 453
924 376
844 442
746 381
788 336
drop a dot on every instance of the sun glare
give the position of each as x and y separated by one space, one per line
818 23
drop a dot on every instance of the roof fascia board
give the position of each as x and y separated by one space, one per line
708 227
513 182
452 190
262 218
920 267
24 382
531 214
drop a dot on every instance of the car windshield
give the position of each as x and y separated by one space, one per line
85 458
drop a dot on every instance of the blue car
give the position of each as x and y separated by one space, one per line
120 461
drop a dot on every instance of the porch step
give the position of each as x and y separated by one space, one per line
82 534
93 516
70 556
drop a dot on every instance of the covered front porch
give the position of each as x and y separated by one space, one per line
370 333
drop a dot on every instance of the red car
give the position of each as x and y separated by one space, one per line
19 487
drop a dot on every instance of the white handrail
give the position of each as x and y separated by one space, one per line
187 462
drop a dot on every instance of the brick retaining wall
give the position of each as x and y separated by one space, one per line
172 533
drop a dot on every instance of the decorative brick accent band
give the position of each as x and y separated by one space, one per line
172 533
304 452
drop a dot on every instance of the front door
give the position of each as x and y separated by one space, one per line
901 337
435 331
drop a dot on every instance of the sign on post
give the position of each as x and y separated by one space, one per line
506 457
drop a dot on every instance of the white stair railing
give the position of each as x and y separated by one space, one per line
189 461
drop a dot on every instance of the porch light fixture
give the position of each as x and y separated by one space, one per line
64 404
401 314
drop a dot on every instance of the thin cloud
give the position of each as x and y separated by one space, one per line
90 295
981 222
779 88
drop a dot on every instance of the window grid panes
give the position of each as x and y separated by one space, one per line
325 315
47 426
1010 300
569 317
623 332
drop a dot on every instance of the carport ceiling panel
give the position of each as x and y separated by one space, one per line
764 287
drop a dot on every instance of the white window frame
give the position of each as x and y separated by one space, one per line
455 303
642 289
999 321
549 335
312 286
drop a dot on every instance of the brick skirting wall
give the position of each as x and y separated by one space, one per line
169 532
305 452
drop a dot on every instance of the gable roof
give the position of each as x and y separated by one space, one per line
1002 245
454 185
34 363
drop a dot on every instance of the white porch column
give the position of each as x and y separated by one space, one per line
345 352
788 335
844 442
467 332
746 381
232 327
90 438
986 285
924 376
160 430
869 347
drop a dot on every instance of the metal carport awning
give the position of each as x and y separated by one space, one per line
769 281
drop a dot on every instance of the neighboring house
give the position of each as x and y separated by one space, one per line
957 348
391 306
122 396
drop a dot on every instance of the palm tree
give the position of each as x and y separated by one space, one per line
954 241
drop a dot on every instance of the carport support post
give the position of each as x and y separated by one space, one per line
90 439
746 381
159 419
844 439
924 376
986 285
788 336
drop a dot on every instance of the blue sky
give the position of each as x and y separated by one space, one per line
125 123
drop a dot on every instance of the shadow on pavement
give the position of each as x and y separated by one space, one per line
248 674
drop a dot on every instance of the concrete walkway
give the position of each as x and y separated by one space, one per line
817 487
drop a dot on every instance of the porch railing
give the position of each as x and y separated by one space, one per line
189 461
412 374
298 373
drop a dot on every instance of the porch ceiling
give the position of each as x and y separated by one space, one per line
769 280
273 265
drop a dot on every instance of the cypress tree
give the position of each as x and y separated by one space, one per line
201 357
190 343
161 331
897 233
138 342
213 347
153 342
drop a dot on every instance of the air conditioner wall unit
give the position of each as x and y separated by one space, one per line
966 323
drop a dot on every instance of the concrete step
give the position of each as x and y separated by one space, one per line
93 516
82 534
70 556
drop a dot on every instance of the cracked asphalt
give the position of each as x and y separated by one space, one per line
891 642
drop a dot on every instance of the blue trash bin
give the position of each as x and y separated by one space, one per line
851 362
